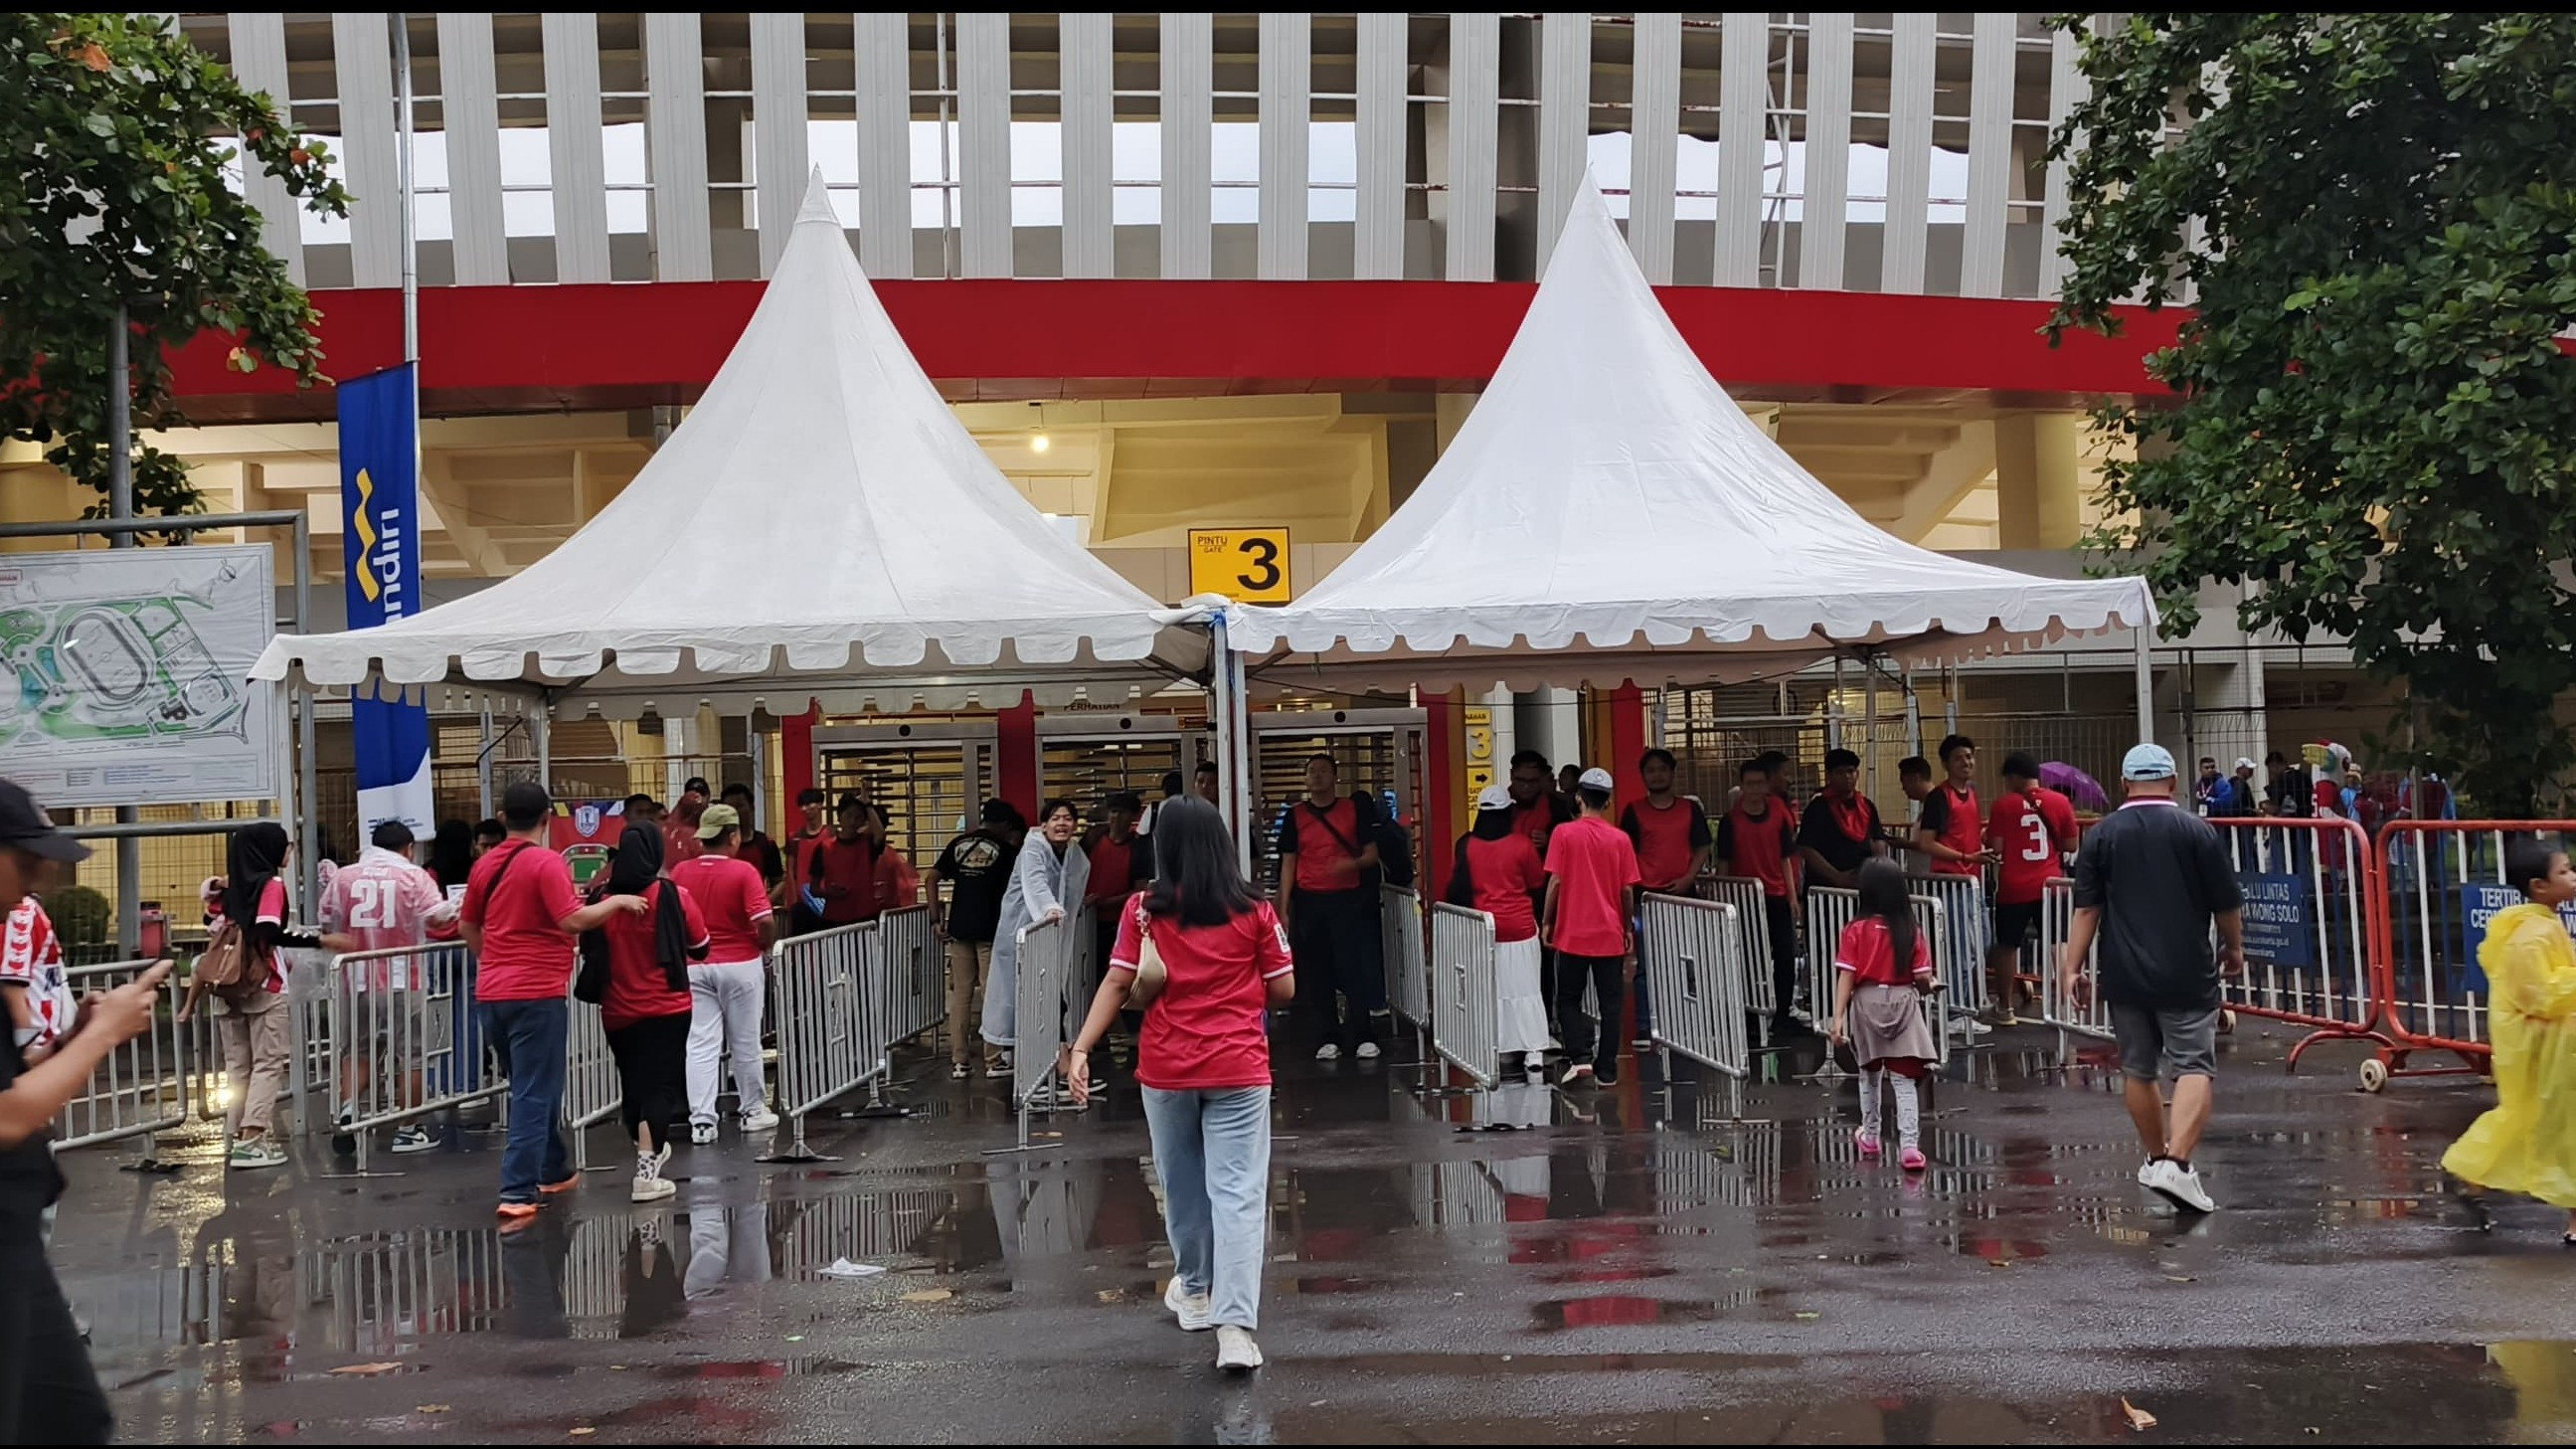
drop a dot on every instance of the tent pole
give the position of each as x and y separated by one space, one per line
2146 687
1226 714
1869 727
1834 707
541 724
1913 717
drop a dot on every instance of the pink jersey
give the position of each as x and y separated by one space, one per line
385 901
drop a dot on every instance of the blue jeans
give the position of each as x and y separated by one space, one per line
1212 1151
530 1038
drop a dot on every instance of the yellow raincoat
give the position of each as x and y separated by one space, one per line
2527 1144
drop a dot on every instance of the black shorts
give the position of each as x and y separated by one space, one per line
2015 924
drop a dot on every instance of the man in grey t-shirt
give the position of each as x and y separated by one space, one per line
2150 882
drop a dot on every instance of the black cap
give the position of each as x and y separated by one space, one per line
24 826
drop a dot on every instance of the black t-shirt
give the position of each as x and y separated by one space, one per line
977 867
28 1178
1935 815
1821 832
2158 873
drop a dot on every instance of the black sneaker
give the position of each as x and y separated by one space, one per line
1607 1074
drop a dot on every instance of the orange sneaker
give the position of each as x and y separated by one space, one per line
567 1185
516 1215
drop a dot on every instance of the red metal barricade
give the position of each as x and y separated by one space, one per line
2438 882
2311 928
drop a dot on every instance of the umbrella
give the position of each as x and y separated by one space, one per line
2074 784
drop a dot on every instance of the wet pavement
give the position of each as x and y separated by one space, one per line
1633 1264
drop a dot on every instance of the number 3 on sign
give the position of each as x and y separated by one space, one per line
1249 565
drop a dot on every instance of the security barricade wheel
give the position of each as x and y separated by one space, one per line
2226 1022
2374 1074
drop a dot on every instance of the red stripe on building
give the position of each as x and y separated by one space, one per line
548 348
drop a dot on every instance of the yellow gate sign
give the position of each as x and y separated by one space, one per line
1248 565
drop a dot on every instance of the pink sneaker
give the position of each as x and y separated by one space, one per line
1913 1160
1867 1144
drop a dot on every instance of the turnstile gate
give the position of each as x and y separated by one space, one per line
1379 751
926 777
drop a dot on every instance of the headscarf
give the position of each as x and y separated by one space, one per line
632 870
252 860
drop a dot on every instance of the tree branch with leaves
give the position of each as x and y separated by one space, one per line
129 143
2374 424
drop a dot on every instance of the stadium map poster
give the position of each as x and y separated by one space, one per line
128 675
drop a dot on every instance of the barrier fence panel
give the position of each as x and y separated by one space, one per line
2309 926
1753 927
1408 982
1969 936
1047 956
1464 1029
408 1043
1695 971
827 1044
592 1089
2056 923
308 998
1831 909
2442 883
916 973
142 1087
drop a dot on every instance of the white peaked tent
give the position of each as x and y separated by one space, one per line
1607 513
820 524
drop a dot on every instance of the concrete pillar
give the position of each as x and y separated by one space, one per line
2039 480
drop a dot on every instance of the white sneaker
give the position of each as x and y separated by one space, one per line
1969 1026
702 1132
412 1137
1368 1051
760 1119
650 1184
1329 1052
1192 1309
1235 1348
1534 1062
1579 1072
2181 1186
2147 1171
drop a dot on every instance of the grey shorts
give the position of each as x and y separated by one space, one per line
2158 1043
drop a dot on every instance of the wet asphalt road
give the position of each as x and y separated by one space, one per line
1630 1267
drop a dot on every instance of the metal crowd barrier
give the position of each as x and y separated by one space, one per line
308 997
1830 909
1970 937
2310 929
1408 979
1048 953
1753 926
827 1026
408 1042
916 973
1695 970
592 1089
2442 881
1464 1025
142 1088
2056 923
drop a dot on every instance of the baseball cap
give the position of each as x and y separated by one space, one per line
25 826
2244 763
718 820
2147 762
1494 797
1597 778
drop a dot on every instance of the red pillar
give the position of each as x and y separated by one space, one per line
1016 748
1443 812
796 764
1627 742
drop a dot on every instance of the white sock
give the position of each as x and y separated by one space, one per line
1869 1099
1909 1111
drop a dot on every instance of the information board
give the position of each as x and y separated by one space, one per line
131 675
2280 920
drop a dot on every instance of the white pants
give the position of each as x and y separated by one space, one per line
724 1015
